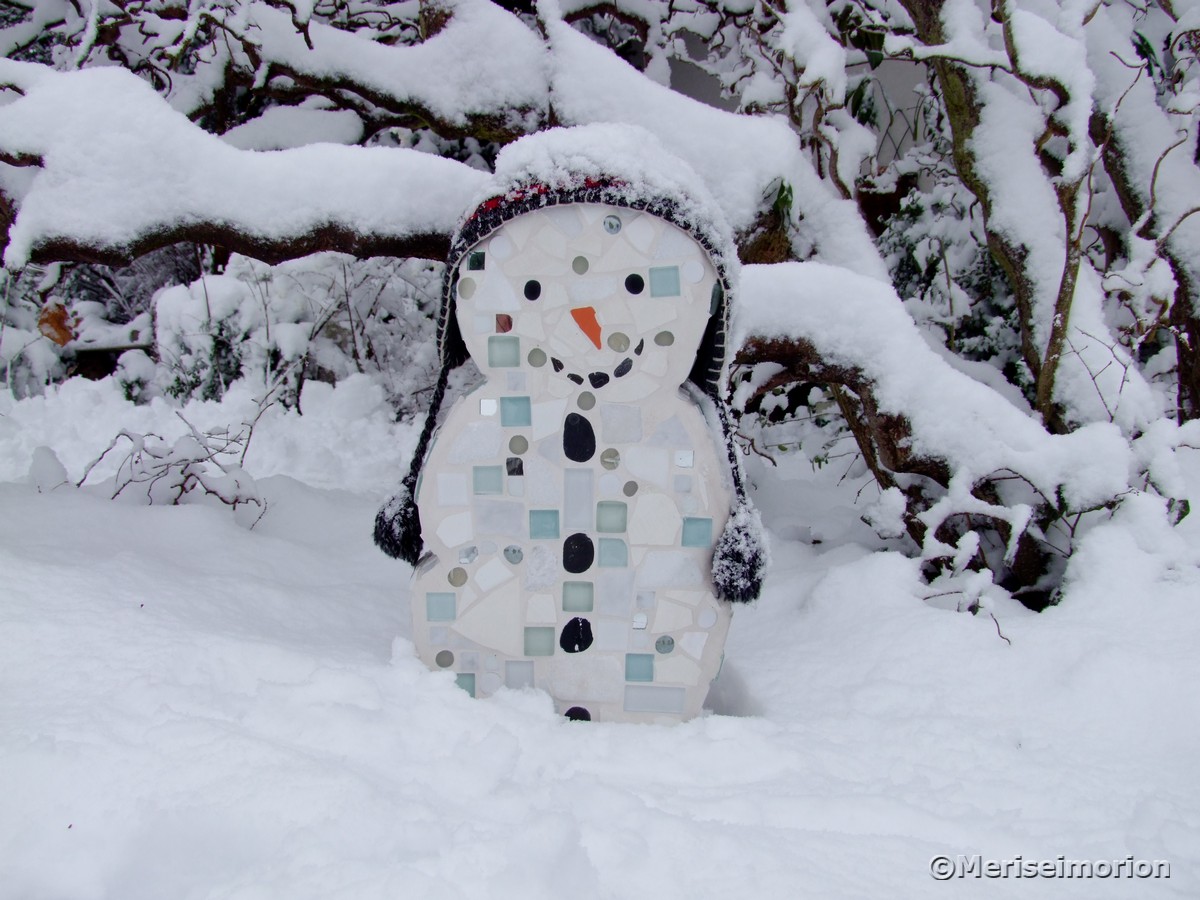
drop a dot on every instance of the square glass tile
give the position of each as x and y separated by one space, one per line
518 673
475 260
514 466
664 281
543 524
578 596
466 681
487 406
487 479
515 412
440 606
613 553
697 532
540 642
504 351
611 516
639 667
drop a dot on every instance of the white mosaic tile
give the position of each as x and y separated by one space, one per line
692 643
491 575
641 233
542 568
670 433
582 677
677 668
670 616
452 489
456 529
611 637
620 423
496 624
670 568
542 610
648 464
548 418
477 442
655 521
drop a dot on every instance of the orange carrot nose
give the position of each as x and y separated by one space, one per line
585 318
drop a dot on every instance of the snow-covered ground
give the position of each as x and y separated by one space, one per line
192 710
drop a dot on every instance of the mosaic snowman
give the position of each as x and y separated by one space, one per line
570 505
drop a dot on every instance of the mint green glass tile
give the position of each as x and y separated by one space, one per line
504 350
543 524
664 281
487 479
611 516
518 673
440 606
697 532
639 667
539 641
613 553
515 412
578 596
466 681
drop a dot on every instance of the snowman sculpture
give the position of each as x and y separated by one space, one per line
570 520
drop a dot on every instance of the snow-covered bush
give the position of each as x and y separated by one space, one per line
322 317
194 468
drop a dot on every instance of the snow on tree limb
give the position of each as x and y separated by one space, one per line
478 88
119 172
863 337
172 184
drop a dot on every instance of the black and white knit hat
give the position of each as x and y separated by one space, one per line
618 166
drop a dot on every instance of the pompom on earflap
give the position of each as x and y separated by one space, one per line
398 525
741 556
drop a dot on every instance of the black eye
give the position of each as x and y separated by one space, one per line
533 290
635 284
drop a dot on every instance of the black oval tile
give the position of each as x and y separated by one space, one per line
576 635
578 553
579 438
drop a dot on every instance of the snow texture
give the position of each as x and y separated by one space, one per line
193 710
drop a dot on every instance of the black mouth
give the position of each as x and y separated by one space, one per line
599 379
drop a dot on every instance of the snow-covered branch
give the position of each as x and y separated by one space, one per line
119 172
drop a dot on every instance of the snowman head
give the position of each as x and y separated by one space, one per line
605 297
594 258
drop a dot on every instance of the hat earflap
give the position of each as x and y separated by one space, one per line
741 556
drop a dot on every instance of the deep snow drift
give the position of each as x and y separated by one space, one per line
192 710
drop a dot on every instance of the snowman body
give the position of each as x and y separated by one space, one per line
571 503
